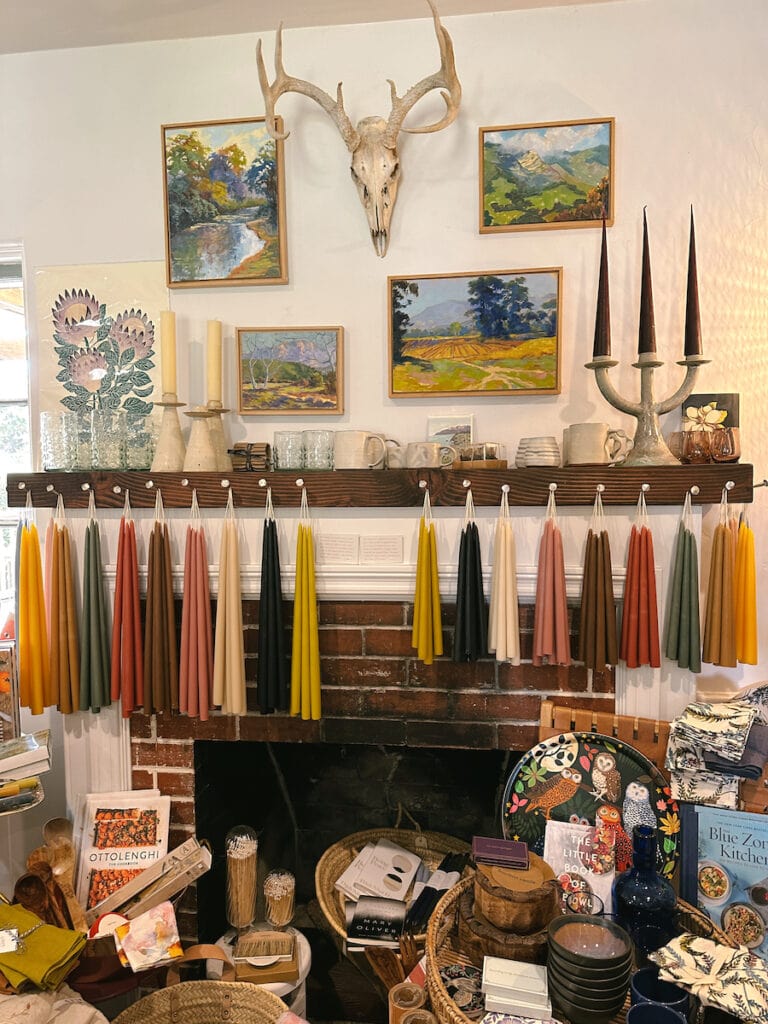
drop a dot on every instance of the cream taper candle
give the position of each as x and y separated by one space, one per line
213 361
168 351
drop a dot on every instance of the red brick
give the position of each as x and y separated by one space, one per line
447 616
495 707
364 730
474 736
388 642
182 812
251 639
543 677
603 682
340 641
279 728
142 779
362 613
141 726
180 727
176 783
405 703
250 613
362 672
339 701
445 673
525 617
169 755
518 737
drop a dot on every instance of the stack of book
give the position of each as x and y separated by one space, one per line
515 989
374 921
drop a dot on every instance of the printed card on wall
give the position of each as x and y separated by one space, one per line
98 336
582 857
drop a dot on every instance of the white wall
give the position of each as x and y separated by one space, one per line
686 80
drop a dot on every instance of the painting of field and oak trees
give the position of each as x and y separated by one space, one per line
491 333
555 175
290 370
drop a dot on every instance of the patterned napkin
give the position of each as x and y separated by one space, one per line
702 787
721 728
733 980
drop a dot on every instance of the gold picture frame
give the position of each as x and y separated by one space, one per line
290 371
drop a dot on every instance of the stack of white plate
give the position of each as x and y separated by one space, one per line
537 451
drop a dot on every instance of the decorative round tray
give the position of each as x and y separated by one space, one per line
593 779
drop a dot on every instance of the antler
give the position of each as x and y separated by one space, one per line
445 79
286 83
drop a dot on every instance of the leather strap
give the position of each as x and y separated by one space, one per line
205 951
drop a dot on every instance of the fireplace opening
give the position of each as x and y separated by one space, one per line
303 797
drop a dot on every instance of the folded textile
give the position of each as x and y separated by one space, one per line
722 728
682 754
46 954
60 1007
702 787
756 696
752 761
733 980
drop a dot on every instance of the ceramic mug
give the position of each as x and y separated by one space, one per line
429 454
358 449
594 444
647 987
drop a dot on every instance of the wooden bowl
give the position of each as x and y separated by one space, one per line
522 902
479 938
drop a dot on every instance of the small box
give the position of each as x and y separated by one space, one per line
505 979
519 1007
281 972
506 853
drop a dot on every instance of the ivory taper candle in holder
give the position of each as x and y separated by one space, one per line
213 361
168 352
242 848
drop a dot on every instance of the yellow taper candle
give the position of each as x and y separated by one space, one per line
168 351
213 361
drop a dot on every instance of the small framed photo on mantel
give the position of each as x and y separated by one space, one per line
558 174
290 370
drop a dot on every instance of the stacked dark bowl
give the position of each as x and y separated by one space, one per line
588 967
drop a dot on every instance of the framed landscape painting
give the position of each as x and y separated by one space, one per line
487 333
553 175
291 370
224 204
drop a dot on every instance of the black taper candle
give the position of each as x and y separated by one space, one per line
692 319
647 337
602 345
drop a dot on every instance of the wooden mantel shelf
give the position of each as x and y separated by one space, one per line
390 488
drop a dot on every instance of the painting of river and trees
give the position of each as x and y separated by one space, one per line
491 333
224 204
553 175
290 370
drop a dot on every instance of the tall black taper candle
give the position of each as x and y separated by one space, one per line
647 336
602 345
692 320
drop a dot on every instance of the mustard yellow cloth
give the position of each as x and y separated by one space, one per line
47 955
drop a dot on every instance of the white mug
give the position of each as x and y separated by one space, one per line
429 454
594 444
358 449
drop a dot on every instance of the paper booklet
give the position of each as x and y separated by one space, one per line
121 835
583 857
384 869
22 751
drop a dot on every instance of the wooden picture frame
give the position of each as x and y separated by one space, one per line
224 204
290 371
556 174
494 333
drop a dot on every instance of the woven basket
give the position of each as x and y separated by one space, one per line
205 1002
442 948
430 846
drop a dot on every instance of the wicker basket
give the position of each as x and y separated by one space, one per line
442 948
430 846
203 1002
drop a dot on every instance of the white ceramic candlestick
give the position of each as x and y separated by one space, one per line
201 455
170 450
218 437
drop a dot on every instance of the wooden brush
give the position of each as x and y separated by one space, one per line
258 944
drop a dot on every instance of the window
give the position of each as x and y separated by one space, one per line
15 449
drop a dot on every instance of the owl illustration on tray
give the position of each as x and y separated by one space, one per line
595 780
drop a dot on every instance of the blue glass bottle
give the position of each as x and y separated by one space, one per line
644 902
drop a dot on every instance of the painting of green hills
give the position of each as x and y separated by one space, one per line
553 175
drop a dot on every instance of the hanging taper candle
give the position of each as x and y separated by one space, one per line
746 595
503 617
470 636
683 630
127 681
196 650
94 638
719 618
32 637
640 617
161 666
273 681
305 655
551 641
427 630
64 642
598 646
228 652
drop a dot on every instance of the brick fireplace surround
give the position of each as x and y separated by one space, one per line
375 691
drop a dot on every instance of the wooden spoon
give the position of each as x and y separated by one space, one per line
63 864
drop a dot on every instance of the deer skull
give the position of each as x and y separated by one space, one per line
375 165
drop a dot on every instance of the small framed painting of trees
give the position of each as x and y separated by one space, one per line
553 175
488 333
291 370
224 204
